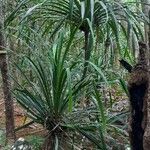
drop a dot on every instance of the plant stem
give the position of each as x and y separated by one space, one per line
86 53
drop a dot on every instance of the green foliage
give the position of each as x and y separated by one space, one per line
3 145
106 126
54 91
2 138
106 21
51 97
35 141
53 42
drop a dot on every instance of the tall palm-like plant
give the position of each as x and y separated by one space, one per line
53 93
93 17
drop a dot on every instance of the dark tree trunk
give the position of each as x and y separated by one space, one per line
138 86
146 10
9 111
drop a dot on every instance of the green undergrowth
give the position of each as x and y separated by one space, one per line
34 140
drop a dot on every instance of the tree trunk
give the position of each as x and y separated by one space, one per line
9 111
138 86
146 10
50 142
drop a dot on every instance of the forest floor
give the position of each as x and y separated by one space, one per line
20 119
120 104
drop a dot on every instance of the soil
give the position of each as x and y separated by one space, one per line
20 119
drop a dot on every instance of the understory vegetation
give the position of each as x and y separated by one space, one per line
64 65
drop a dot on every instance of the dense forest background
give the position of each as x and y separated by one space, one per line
65 73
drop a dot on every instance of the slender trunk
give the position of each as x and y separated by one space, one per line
146 10
87 53
50 142
9 111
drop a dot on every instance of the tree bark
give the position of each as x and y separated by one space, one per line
9 111
138 86
146 10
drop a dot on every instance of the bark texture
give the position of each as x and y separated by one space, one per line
9 111
138 86
146 11
8 99
146 138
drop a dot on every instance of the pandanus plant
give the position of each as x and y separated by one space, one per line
51 96
92 17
